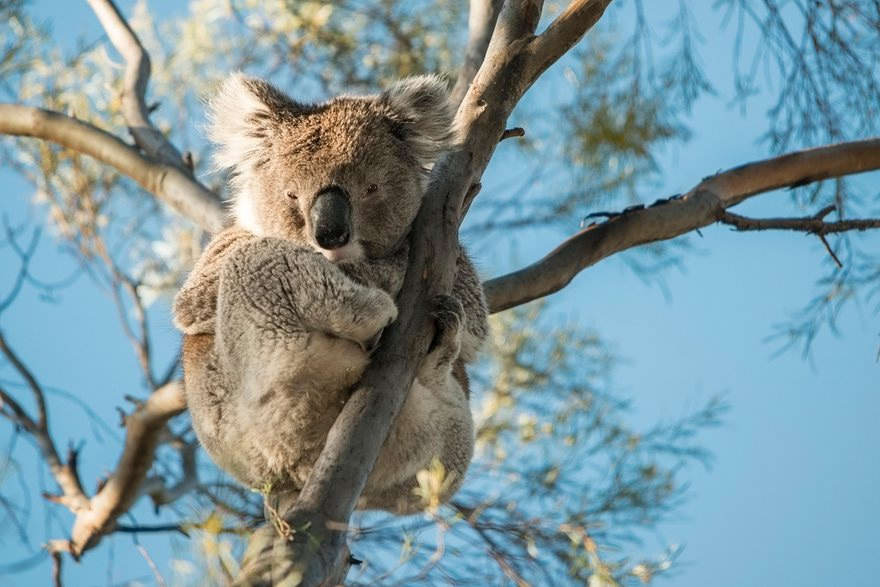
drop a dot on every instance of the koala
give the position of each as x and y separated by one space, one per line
282 310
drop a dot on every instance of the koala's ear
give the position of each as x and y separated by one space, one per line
421 113
242 114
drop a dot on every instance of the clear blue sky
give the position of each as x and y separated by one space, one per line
792 498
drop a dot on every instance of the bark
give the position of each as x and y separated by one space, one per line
167 182
503 58
144 428
134 90
701 206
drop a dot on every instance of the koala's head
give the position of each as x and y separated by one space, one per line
345 177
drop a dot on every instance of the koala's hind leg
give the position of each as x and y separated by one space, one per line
434 423
448 316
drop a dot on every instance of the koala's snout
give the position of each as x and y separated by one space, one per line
331 218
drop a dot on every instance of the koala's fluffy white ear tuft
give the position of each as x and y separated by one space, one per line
421 110
241 116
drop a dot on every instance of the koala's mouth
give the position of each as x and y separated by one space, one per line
348 253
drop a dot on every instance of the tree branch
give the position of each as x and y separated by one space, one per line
65 473
56 569
482 17
144 428
167 182
703 205
811 224
564 32
134 89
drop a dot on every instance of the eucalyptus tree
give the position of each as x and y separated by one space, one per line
119 176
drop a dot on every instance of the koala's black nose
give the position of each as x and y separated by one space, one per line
331 218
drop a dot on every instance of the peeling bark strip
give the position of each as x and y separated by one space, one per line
703 205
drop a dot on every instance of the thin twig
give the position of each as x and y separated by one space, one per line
36 390
160 580
809 224
25 258
56 569
141 341
157 487
830 252
509 133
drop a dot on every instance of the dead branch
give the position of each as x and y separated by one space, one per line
831 252
98 515
156 529
510 133
137 75
144 428
167 182
703 205
65 473
810 224
317 554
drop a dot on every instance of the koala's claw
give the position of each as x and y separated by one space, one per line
377 312
448 315
369 346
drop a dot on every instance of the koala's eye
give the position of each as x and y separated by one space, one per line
290 195
372 188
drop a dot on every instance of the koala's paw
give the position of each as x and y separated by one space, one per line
448 316
378 311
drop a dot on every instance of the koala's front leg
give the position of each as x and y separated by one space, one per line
448 315
294 290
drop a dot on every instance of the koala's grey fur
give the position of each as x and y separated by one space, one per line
278 330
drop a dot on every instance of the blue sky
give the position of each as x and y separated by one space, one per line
792 496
